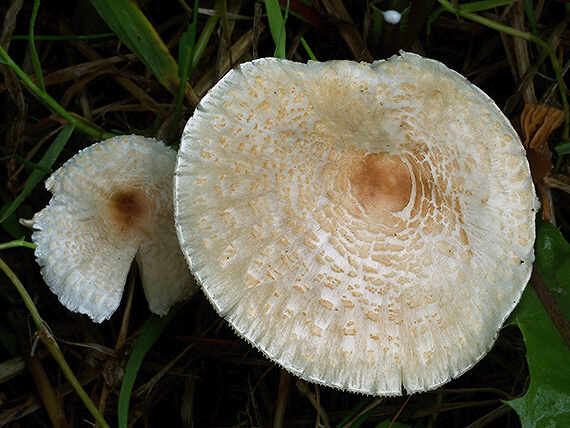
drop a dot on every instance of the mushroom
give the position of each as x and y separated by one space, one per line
366 226
112 201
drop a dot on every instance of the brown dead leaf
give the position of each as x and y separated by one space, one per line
538 121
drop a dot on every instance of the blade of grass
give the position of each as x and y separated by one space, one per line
531 17
479 6
151 331
205 36
529 10
276 26
355 411
34 54
413 19
186 48
24 161
130 24
226 27
378 20
563 149
199 49
80 123
49 342
45 163
65 38
308 49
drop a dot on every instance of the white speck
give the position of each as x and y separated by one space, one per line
392 17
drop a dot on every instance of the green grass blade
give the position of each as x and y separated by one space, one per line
414 17
226 27
276 26
308 49
186 49
24 161
65 38
34 53
80 123
45 163
563 149
529 10
151 331
386 423
378 20
205 36
133 28
483 5
355 411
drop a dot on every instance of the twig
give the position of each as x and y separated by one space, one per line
302 386
551 307
282 396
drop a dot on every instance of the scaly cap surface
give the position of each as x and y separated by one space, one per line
366 226
112 201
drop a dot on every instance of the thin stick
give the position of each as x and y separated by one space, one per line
551 306
282 396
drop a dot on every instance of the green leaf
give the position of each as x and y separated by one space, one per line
553 263
151 331
133 28
46 163
547 401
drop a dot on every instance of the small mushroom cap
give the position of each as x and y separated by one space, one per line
366 226
112 201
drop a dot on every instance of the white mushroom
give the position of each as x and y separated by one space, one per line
366 226
112 201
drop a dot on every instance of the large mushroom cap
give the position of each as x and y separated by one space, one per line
112 201
366 226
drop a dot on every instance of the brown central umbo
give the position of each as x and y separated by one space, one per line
128 208
381 183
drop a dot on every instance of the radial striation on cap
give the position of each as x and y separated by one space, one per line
111 202
366 226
